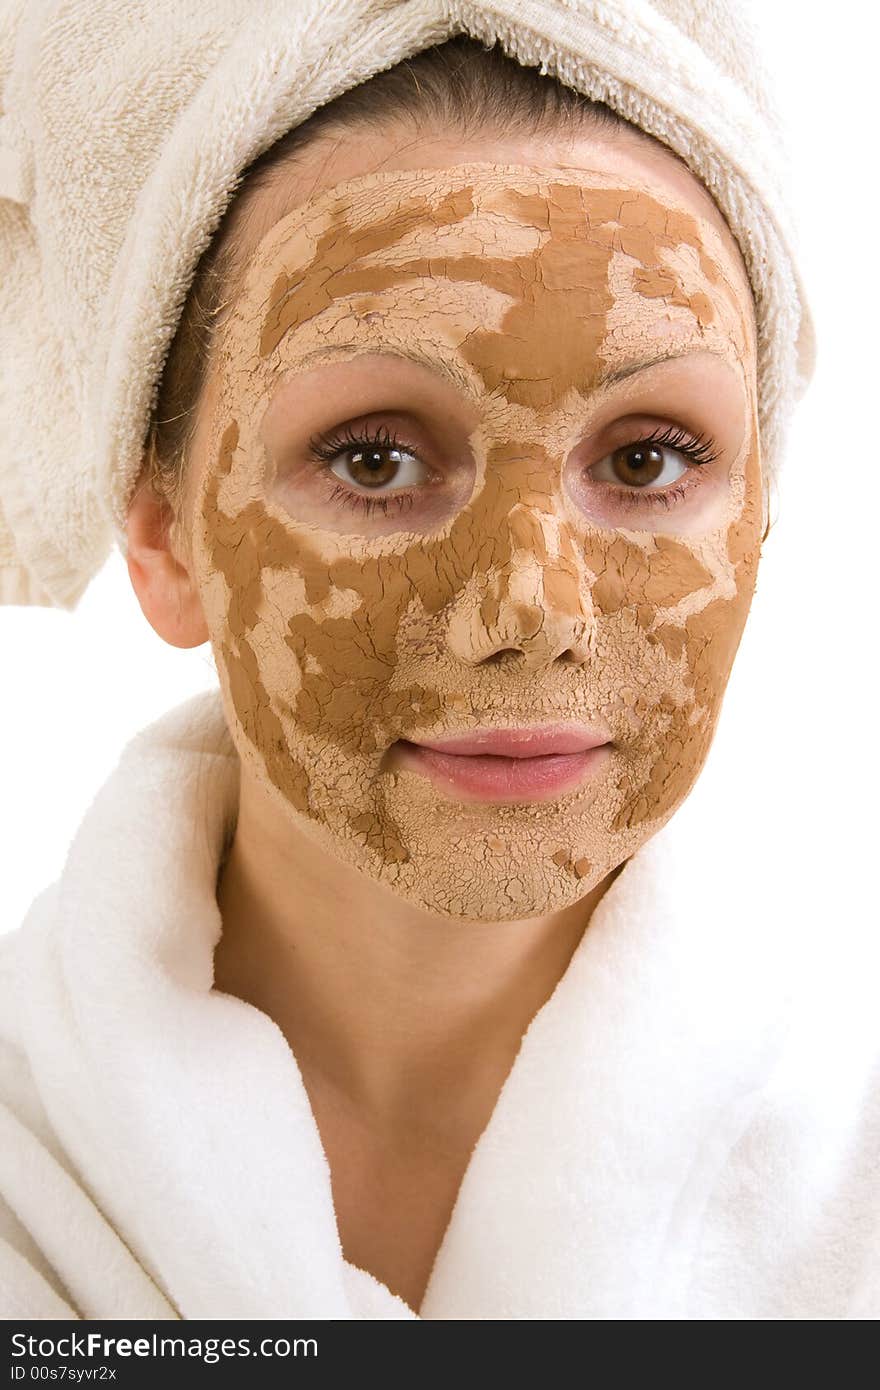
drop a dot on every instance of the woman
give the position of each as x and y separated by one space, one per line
456 461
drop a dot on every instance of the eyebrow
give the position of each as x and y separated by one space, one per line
453 377
434 362
608 378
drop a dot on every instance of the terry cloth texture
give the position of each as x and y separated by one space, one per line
690 1128
124 128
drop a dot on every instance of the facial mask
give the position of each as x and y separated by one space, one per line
500 308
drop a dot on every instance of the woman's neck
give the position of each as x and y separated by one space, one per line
386 1003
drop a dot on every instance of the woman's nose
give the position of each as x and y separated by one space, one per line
535 600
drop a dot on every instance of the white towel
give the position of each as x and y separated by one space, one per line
690 1129
124 127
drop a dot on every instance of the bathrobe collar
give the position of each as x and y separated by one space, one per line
184 1110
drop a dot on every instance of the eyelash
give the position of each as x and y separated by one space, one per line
699 448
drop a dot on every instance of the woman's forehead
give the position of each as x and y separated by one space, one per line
509 197
569 257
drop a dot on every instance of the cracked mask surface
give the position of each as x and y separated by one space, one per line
511 590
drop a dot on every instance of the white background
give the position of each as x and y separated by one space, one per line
795 744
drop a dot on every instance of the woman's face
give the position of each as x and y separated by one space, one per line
497 554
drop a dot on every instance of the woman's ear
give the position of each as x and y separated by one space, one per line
165 586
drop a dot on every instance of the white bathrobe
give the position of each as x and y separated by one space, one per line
690 1129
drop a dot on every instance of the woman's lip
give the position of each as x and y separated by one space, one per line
518 743
490 777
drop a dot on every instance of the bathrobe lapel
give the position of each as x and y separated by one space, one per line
184 1112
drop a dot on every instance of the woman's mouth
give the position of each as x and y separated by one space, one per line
524 764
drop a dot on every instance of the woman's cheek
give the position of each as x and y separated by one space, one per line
305 633
688 659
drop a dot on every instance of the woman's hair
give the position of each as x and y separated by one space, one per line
461 86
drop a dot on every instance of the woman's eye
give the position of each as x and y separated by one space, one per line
378 466
371 471
375 470
641 464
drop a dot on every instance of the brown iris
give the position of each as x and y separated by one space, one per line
638 463
380 464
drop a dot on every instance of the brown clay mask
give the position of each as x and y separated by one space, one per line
506 559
